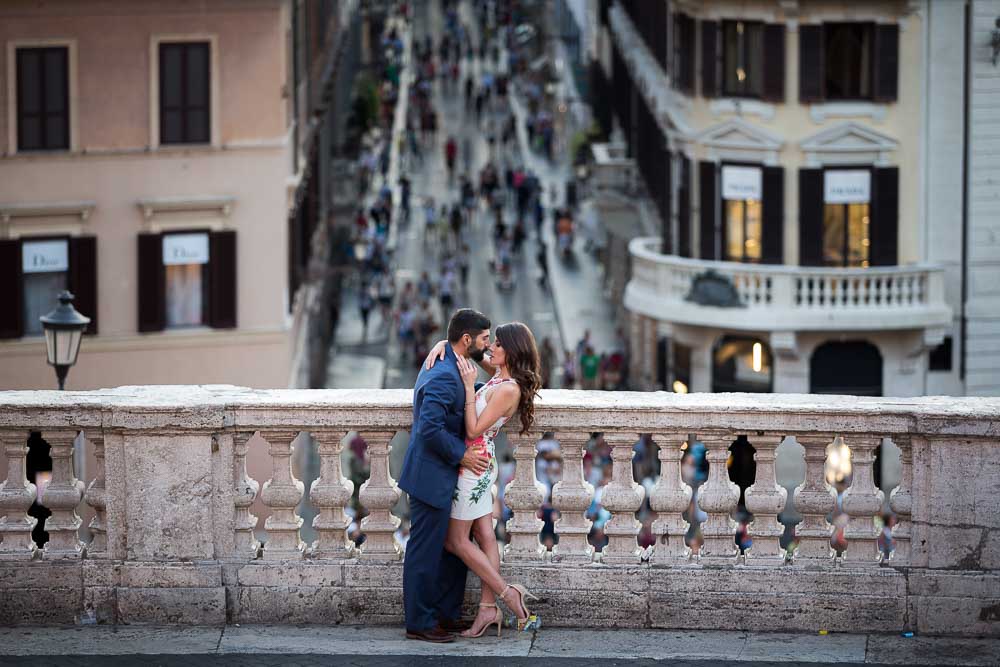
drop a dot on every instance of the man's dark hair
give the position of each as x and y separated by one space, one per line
466 321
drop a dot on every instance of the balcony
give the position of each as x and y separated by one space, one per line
787 298
174 538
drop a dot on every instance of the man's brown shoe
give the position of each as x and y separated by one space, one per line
454 625
435 635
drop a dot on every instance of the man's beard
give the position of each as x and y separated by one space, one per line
477 354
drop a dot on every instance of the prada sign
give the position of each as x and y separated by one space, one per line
847 186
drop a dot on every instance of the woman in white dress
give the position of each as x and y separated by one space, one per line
514 364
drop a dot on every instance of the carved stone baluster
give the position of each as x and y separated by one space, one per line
330 493
62 496
862 502
571 496
622 497
765 499
16 496
379 494
524 495
282 494
97 497
244 493
814 500
901 502
669 498
718 498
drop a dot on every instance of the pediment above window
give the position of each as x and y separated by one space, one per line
848 143
738 139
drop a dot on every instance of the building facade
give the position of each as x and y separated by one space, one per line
159 160
793 154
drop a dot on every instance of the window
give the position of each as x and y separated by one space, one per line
185 93
847 218
184 259
940 356
42 99
187 279
849 48
741 364
743 58
684 53
741 194
45 269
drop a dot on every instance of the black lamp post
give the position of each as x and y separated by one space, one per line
63 332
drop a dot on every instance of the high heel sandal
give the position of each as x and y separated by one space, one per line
529 621
497 619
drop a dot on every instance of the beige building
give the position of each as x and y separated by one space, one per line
155 157
793 154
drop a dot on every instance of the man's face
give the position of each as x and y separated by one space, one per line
479 344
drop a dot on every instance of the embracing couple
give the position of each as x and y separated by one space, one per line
449 472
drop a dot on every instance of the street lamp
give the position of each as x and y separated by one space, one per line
63 331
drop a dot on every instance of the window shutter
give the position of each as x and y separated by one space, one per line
811 67
883 231
811 217
706 174
666 207
709 58
886 62
83 277
152 283
773 215
222 280
12 290
684 209
774 62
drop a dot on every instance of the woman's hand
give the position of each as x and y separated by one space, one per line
436 354
469 373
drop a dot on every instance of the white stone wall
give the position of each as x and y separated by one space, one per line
983 304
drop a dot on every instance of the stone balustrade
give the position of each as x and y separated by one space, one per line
174 537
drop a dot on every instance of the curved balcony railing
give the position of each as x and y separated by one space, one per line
778 297
175 538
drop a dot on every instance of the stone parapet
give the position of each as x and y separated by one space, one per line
176 542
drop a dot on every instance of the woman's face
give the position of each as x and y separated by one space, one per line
498 357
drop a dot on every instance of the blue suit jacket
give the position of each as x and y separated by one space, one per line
437 439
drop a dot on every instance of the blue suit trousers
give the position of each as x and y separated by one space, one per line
433 579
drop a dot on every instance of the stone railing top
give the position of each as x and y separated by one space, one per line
227 407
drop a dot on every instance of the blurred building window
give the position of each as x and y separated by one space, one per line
742 364
185 257
43 99
847 217
185 95
743 58
45 273
940 356
849 60
742 192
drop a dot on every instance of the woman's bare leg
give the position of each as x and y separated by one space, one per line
458 543
482 531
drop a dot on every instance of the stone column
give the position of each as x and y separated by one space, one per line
330 493
765 499
244 493
862 502
623 498
16 496
97 497
572 496
669 498
524 495
718 497
62 496
379 494
814 500
282 494
901 502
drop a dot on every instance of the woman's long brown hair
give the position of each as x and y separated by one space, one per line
523 365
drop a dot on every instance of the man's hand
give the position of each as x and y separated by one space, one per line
475 461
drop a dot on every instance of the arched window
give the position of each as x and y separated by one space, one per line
742 364
849 367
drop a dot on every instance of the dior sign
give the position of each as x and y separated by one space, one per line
847 186
185 249
45 256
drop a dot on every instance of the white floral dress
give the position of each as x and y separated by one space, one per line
473 496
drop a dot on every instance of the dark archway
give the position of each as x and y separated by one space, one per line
850 367
742 364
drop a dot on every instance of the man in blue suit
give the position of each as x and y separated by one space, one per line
433 580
